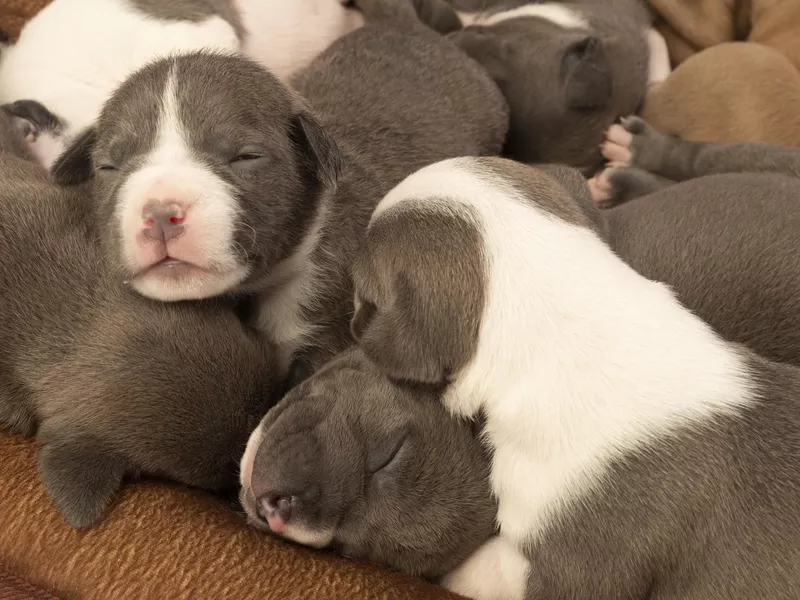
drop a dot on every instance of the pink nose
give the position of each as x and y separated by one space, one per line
163 221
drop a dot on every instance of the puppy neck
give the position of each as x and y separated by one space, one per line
579 358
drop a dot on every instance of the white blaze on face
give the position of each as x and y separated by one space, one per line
558 14
172 175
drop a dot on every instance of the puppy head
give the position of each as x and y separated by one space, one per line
208 172
557 81
423 277
154 390
375 470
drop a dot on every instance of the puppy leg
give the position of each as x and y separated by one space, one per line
635 143
616 185
436 14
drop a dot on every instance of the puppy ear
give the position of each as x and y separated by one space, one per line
80 478
483 46
319 148
587 75
74 166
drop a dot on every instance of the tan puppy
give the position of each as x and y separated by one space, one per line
733 92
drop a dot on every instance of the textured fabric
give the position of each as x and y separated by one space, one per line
14 13
12 588
163 541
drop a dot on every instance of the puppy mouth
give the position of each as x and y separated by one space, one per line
170 267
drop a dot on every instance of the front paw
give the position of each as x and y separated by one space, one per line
634 143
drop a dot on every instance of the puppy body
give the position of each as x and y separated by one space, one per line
567 69
635 453
100 42
112 384
251 191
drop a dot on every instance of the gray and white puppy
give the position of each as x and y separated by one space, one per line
378 471
112 384
74 53
635 453
213 178
568 70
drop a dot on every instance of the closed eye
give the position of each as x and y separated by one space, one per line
384 459
106 167
246 156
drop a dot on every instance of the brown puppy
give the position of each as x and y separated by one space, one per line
112 384
733 92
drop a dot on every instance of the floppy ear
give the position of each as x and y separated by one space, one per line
587 75
74 166
319 148
486 48
80 478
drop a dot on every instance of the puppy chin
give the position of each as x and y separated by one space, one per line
172 283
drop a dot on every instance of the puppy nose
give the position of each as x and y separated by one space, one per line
163 221
277 510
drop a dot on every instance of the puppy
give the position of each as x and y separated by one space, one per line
378 471
211 177
112 384
635 453
98 43
568 70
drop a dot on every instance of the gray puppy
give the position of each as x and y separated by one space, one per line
212 178
635 453
568 70
112 384
378 471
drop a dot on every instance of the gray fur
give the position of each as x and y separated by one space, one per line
113 385
380 467
564 87
380 103
709 512
193 11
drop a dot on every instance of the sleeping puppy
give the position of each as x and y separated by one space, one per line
642 160
635 453
74 53
113 385
212 178
351 460
568 70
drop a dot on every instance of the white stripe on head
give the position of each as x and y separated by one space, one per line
558 14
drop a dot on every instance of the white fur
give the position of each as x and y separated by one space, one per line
556 13
74 53
495 571
286 35
580 360
659 65
172 174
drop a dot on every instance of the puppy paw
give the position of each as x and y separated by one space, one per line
616 148
617 185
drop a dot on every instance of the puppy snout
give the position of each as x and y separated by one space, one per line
277 509
163 221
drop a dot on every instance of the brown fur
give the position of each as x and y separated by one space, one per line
165 541
733 92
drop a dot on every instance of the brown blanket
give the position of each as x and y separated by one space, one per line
163 541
